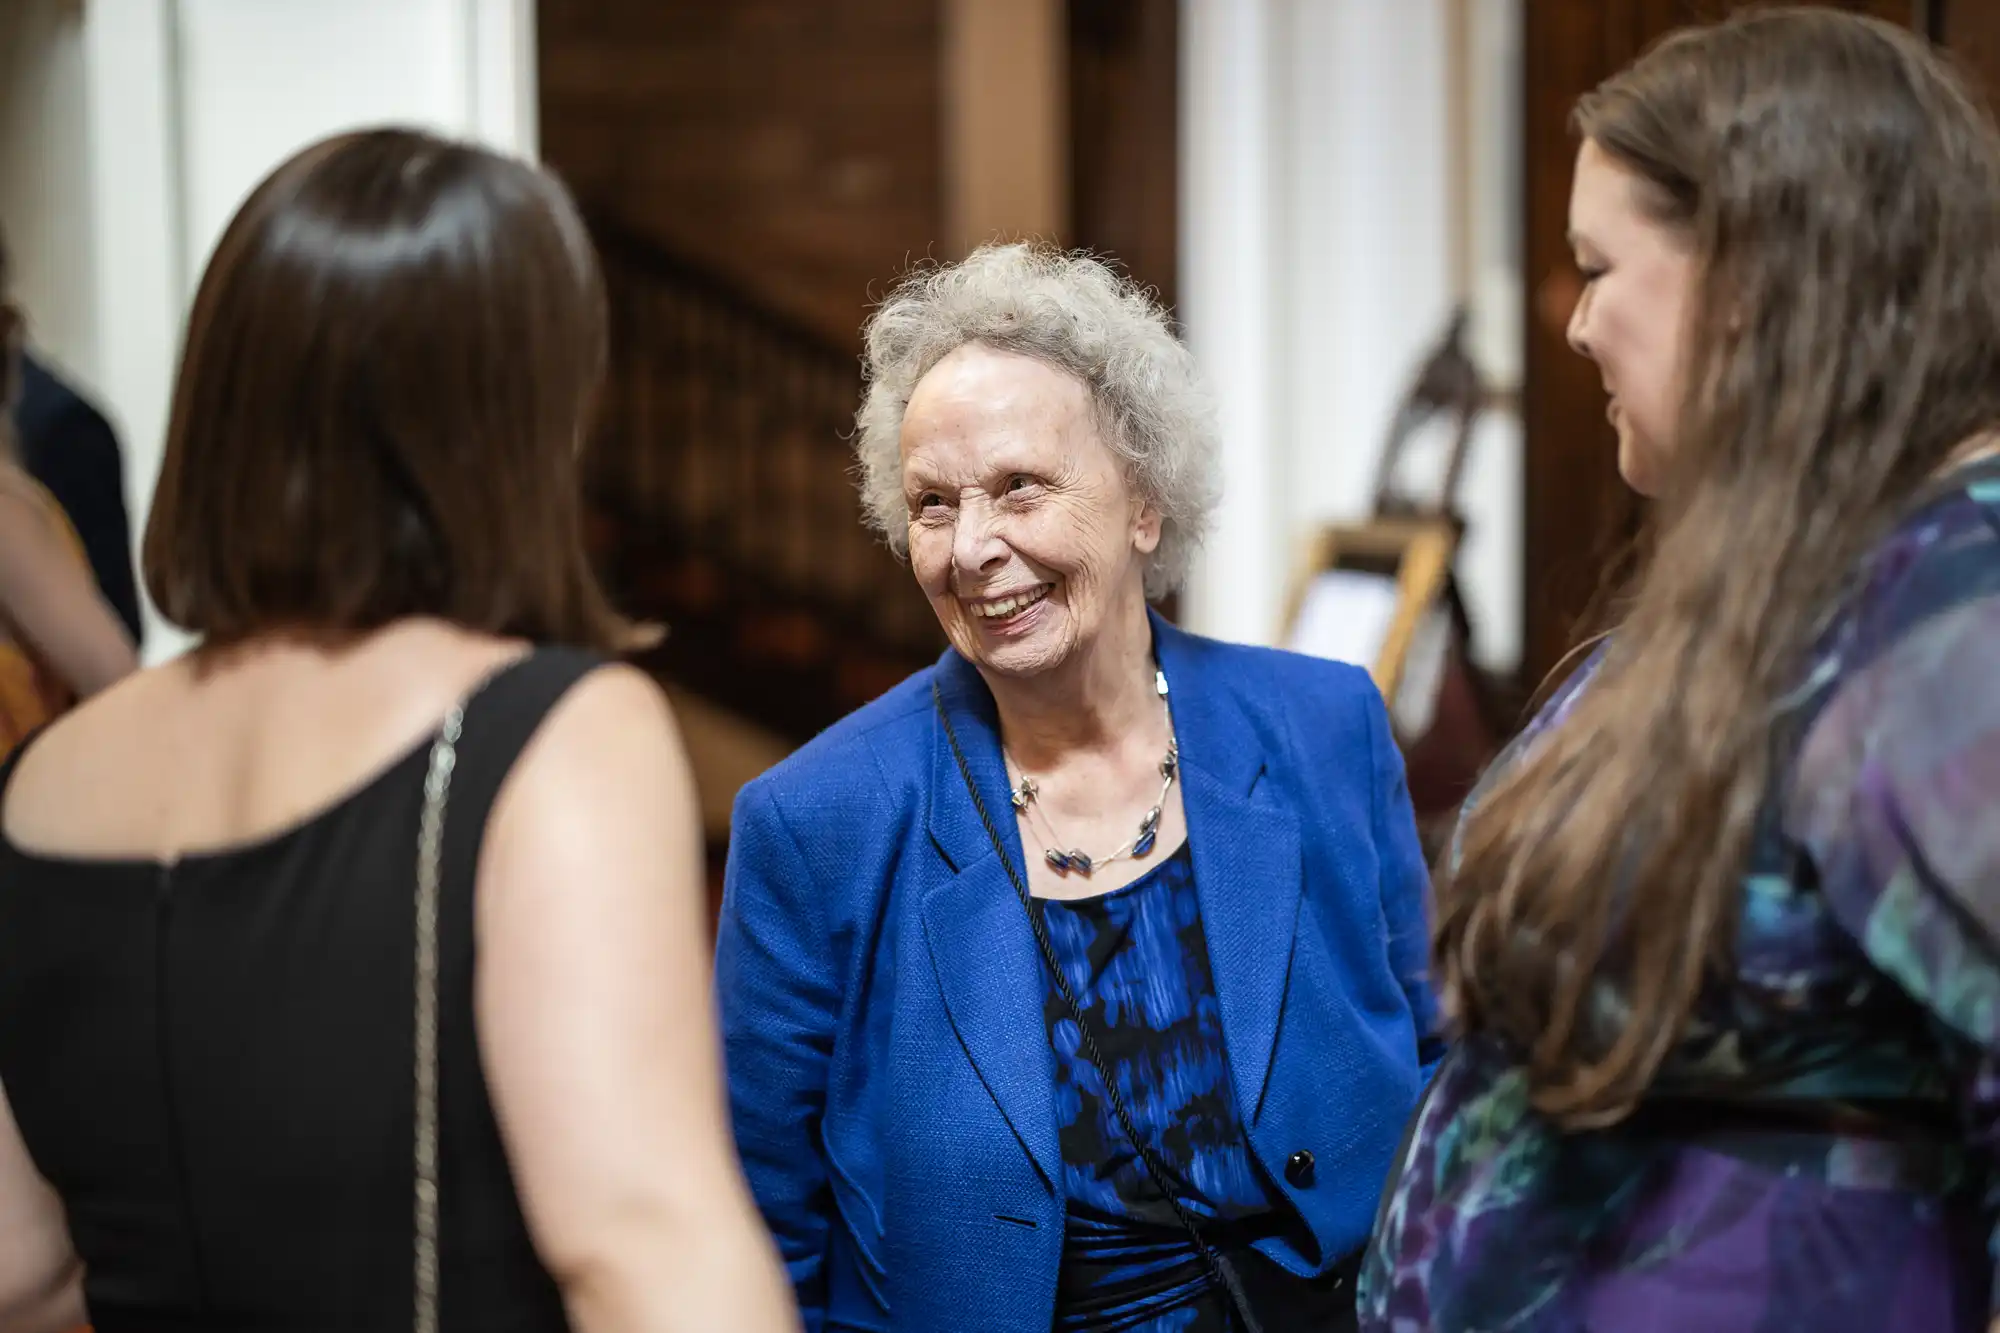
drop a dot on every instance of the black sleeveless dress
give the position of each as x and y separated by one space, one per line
212 1061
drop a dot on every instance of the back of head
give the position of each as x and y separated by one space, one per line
1839 191
389 370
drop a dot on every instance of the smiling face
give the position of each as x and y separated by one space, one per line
1639 275
1025 533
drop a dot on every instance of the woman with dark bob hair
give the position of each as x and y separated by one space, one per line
1721 934
351 965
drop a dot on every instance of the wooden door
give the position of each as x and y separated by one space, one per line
1579 515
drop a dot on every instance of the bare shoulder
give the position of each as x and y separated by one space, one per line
606 766
28 523
20 493
616 713
99 747
211 748
595 832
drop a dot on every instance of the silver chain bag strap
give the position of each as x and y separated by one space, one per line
430 855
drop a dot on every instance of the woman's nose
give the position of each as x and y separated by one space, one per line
976 545
1578 331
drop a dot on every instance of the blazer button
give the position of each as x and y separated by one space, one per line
1299 1169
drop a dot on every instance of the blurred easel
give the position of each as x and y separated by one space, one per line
1381 592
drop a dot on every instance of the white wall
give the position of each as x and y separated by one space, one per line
1231 304
44 175
154 118
1317 270
258 80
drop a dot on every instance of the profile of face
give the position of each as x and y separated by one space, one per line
1025 532
1638 281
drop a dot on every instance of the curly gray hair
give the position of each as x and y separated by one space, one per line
1072 312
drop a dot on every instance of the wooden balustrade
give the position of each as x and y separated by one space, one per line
723 489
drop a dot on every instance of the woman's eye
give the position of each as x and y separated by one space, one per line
928 501
1590 272
1020 481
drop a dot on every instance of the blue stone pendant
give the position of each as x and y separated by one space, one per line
1064 862
1149 832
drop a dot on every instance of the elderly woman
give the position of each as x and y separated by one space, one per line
1079 980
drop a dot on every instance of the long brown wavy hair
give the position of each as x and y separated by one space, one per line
1840 191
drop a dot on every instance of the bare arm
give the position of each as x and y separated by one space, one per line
598 1030
41 1289
52 604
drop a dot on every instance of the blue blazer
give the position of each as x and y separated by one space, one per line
890 1077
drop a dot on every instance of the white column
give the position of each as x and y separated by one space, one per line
45 178
138 239
1229 302
1492 568
261 80
1318 218
192 102
505 82
1367 239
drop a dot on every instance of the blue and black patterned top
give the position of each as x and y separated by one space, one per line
1137 961
1822 1150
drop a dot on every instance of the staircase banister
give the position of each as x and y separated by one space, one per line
626 250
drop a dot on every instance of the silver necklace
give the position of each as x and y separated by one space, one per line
1025 791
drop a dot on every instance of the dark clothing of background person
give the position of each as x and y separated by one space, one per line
68 446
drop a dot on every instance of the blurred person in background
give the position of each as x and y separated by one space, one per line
66 444
352 966
1722 934
1079 981
59 640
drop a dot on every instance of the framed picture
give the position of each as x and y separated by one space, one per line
1376 594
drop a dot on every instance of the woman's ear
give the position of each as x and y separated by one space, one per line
1146 530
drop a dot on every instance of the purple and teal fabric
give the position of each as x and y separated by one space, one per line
1822 1151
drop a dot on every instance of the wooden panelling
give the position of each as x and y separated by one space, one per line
1971 31
791 146
1005 121
1579 515
796 147
1124 64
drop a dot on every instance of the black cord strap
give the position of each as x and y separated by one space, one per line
1219 1268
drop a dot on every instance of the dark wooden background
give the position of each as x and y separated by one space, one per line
1578 514
792 148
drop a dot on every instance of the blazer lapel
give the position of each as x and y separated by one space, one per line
983 950
1249 877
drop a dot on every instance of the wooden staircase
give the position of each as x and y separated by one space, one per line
724 502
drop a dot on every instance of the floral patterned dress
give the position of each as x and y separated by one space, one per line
1744 1195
